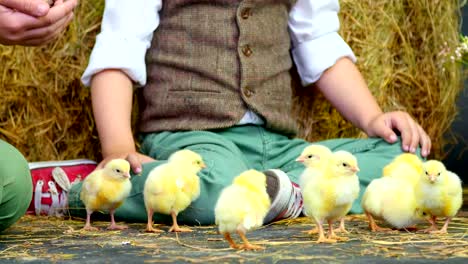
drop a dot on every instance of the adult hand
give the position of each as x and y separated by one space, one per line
412 134
134 158
35 8
30 23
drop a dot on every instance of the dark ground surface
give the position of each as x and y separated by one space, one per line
45 240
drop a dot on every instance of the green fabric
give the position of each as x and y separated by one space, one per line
15 185
228 152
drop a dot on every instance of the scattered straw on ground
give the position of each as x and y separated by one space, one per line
43 238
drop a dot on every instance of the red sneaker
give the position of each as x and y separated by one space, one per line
52 180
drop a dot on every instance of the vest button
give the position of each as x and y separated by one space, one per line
248 92
246 13
247 50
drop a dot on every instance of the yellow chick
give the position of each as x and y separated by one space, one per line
406 165
330 195
105 190
393 200
441 194
170 188
315 159
242 206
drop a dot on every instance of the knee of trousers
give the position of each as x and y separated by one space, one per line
15 185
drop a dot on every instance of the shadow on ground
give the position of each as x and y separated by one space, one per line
44 240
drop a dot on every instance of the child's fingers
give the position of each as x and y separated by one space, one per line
425 140
135 163
400 122
414 134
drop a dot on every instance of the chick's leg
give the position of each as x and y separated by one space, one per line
373 225
88 226
432 220
443 230
331 232
341 228
231 242
314 230
113 225
247 245
175 227
149 225
321 238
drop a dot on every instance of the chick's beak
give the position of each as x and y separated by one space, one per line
432 178
355 169
127 175
300 159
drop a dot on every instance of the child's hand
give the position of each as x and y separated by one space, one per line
134 158
412 134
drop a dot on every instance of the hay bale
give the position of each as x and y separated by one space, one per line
46 112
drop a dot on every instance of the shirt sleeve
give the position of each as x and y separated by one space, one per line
126 32
316 44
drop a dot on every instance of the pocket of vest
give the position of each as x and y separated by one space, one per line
198 84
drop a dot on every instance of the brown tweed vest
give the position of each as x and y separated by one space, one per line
212 60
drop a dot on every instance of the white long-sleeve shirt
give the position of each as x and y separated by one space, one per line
127 29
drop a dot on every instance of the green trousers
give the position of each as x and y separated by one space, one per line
15 185
227 153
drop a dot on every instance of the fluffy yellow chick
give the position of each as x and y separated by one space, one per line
315 159
393 200
105 190
330 195
170 188
242 206
405 165
441 194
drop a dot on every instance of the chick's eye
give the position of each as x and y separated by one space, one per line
438 174
118 171
310 156
344 164
427 173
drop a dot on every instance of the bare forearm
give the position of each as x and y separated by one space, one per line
345 88
111 93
